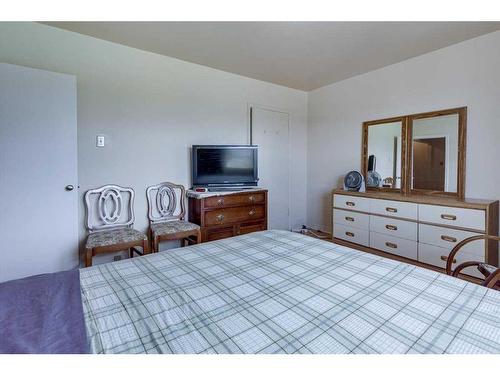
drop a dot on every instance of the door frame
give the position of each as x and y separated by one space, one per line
250 106
447 157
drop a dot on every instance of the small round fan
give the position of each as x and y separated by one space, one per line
353 181
373 179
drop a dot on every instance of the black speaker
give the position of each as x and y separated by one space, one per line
372 163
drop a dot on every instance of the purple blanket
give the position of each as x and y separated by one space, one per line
42 314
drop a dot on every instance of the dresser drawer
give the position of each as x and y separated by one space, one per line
394 227
235 200
437 256
394 245
351 234
458 217
351 219
448 238
394 208
351 203
234 215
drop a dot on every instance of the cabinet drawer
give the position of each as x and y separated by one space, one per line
351 203
234 215
235 200
437 257
394 227
219 233
458 217
394 208
351 219
448 238
251 227
394 245
351 234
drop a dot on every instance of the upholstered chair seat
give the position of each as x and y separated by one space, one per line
113 237
173 227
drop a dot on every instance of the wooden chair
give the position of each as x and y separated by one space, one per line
166 212
110 221
491 273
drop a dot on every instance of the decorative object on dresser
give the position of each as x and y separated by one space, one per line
110 220
491 273
354 181
228 214
166 213
423 228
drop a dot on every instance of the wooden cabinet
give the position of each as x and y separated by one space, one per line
420 227
223 215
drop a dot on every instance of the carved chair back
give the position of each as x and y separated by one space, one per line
166 202
109 207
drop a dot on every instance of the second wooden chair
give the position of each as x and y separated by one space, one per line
166 212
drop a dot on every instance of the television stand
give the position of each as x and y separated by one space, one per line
227 213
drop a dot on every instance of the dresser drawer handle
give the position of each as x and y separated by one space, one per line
448 217
350 234
391 209
391 227
220 217
251 198
251 212
448 238
392 245
220 201
352 204
348 218
445 258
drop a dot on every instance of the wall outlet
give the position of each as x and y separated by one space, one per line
99 142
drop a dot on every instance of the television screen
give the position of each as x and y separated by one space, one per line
224 165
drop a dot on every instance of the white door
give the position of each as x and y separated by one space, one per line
269 131
38 166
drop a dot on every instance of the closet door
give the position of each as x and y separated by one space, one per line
38 172
270 131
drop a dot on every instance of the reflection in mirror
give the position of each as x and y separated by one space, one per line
384 155
435 153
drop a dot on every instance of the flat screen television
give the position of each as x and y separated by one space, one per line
224 166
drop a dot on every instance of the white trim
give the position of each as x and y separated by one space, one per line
249 137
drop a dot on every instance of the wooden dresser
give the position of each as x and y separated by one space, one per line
222 215
422 228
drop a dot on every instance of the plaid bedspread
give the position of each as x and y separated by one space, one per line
280 292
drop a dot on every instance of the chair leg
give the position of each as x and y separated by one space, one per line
145 247
198 237
88 257
183 242
155 244
131 252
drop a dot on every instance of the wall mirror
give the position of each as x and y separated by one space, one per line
384 143
422 153
437 152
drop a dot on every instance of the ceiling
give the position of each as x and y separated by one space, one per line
301 55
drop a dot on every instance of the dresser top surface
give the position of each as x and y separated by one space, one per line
200 195
420 198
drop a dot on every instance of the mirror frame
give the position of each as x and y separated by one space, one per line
364 150
462 140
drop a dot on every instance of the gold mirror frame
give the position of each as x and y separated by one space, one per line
462 140
406 151
364 150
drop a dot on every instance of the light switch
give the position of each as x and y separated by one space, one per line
100 141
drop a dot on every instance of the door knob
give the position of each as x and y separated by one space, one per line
69 187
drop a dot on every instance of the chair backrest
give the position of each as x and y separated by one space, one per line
109 207
166 202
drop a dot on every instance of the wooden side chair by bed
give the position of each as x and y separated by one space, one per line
491 273
166 212
110 220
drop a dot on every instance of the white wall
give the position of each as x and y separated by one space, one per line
465 74
151 108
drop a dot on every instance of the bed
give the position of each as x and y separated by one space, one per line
280 292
